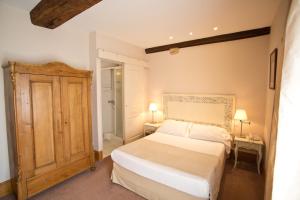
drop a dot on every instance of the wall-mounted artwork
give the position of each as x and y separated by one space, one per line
273 68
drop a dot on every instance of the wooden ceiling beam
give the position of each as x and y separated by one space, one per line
213 39
53 13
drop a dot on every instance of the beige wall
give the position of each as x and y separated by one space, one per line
21 41
237 67
276 41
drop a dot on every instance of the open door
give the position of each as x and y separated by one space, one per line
135 80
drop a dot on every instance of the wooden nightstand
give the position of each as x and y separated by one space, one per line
248 144
150 128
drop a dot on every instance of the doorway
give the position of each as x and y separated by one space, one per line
112 105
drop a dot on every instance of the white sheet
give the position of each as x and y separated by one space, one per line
211 133
182 181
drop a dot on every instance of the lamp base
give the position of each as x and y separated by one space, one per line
153 121
241 133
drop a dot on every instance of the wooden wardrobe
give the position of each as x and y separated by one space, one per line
49 124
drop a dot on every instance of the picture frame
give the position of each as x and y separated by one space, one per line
273 69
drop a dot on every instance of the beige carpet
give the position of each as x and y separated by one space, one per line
242 183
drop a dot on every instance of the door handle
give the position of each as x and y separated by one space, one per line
111 101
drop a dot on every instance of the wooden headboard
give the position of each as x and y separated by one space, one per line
216 110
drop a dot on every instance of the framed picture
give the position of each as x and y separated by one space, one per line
273 68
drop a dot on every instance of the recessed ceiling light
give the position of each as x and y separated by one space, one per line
191 33
171 37
216 28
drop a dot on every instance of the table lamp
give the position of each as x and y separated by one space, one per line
241 115
153 109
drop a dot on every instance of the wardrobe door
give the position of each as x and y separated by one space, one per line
40 123
75 117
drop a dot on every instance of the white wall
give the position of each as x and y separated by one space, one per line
93 63
117 47
287 161
237 67
273 98
21 41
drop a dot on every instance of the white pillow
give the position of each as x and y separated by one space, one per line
173 127
211 133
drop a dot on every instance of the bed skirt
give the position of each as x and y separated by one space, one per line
145 187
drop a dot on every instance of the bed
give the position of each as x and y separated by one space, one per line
185 157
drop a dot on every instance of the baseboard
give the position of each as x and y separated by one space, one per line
126 141
5 188
98 155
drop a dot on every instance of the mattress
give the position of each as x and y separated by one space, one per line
147 188
147 158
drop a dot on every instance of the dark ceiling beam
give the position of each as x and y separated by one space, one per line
213 39
53 13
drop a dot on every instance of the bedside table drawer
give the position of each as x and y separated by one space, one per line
150 128
148 132
247 145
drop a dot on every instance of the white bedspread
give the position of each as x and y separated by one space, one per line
180 180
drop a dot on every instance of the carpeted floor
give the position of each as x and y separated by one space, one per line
242 183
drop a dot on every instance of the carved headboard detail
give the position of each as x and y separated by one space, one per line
211 109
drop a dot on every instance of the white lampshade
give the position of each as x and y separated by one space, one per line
153 107
240 114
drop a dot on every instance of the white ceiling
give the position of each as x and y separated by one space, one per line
148 23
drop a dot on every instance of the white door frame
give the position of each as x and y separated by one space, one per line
115 93
97 115
114 98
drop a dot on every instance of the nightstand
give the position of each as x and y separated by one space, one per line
249 144
150 128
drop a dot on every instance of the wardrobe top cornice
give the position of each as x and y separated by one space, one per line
52 68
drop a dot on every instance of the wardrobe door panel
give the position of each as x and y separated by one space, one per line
76 118
42 111
75 114
24 136
45 115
